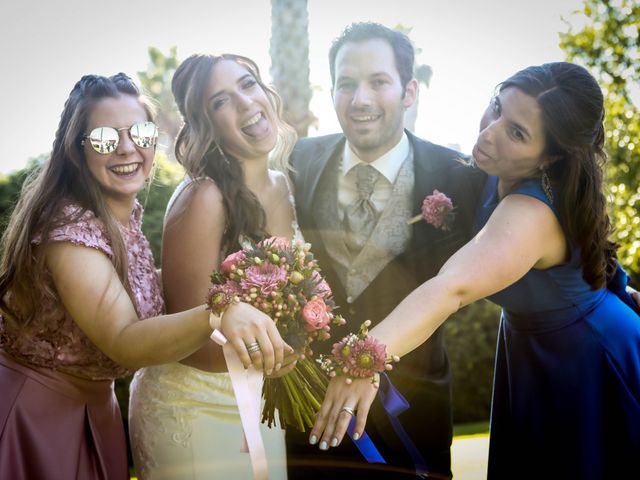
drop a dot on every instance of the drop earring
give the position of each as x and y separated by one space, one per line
222 154
546 184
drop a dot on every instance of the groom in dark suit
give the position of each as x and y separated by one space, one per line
355 195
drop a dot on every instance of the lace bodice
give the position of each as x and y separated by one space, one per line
53 339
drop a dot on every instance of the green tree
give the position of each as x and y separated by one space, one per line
289 50
471 336
608 43
154 199
11 186
156 81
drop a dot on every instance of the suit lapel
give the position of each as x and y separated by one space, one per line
317 167
424 184
325 213
424 170
430 245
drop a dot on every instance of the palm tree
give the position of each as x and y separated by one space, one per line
156 81
289 52
422 73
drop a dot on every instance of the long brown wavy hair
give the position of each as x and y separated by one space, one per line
572 107
197 151
63 179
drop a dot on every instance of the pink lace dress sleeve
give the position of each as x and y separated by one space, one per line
53 340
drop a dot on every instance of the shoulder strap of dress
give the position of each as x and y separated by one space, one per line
533 188
182 186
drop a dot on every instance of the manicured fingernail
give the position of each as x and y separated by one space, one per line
356 436
313 439
323 445
334 442
278 365
269 372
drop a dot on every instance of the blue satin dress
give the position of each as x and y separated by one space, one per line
566 396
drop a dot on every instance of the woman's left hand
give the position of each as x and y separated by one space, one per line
340 403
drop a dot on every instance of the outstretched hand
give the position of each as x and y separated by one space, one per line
340 403
255 337
635 295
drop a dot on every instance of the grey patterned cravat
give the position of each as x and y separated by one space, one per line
360 216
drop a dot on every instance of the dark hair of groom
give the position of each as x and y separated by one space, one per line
403 51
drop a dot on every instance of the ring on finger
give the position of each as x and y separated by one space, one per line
253 347
349 410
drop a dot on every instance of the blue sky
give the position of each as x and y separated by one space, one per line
46 46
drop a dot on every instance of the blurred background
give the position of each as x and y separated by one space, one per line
465 48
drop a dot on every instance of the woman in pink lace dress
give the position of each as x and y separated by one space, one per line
76 276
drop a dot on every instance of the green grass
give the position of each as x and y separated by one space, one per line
466 429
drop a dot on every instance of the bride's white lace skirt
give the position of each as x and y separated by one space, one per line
184 424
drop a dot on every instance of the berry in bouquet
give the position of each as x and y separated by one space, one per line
282 279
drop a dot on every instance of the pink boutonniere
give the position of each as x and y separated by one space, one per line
437 210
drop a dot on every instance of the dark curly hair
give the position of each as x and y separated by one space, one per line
572 107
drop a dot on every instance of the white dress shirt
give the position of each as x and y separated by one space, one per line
387 165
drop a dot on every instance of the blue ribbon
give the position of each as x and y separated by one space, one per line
394 404
365 444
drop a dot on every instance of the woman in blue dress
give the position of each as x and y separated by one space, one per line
566 400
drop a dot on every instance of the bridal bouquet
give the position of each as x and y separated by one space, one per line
282 279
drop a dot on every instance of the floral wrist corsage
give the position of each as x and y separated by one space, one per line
220 297
358 356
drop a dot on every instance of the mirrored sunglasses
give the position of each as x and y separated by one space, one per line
105 140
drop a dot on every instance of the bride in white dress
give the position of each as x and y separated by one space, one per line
183 417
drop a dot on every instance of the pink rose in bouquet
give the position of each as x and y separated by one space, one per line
231 261
316 314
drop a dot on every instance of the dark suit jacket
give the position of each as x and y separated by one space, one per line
423 376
